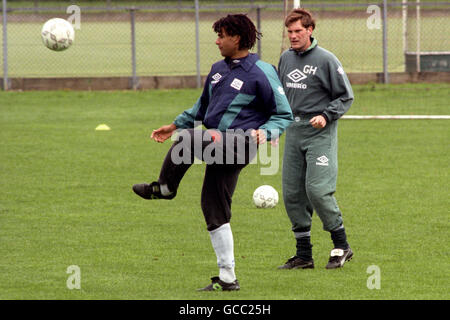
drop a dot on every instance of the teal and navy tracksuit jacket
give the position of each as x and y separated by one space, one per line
240 94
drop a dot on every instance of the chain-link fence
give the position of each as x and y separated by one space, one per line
173 38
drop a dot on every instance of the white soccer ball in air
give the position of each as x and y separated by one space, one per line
265 197
57 34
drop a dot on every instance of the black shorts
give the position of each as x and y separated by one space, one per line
225 154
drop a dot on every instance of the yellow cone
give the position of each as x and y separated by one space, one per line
102 127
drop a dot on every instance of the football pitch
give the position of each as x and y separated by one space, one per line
66 200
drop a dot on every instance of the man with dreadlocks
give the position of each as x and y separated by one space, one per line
243 102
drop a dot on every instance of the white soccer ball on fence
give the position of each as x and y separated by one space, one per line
265 197
57 34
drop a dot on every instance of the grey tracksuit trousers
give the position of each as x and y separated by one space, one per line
309 174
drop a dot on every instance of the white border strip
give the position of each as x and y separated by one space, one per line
398 117
429 53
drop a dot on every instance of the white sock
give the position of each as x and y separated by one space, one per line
227 274
222 242
165 190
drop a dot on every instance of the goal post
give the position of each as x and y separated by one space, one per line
420 54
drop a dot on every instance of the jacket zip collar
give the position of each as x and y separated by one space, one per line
311 47
246 63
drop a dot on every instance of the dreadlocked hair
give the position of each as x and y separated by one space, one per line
238 25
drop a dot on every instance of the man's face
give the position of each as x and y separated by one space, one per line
228 45
299 36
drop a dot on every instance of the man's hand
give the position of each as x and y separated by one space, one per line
318 122
259 136
162 134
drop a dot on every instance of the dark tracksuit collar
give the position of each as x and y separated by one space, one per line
246 63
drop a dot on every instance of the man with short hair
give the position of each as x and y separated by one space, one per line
242 94
319 93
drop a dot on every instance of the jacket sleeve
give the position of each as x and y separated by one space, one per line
198 110
280 110
340 91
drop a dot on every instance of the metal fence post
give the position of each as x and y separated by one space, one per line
405 26
134 79
197 43
418 69
5 49
385 45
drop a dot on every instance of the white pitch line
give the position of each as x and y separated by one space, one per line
398 117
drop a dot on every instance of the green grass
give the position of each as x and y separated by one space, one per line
168 47
66 199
